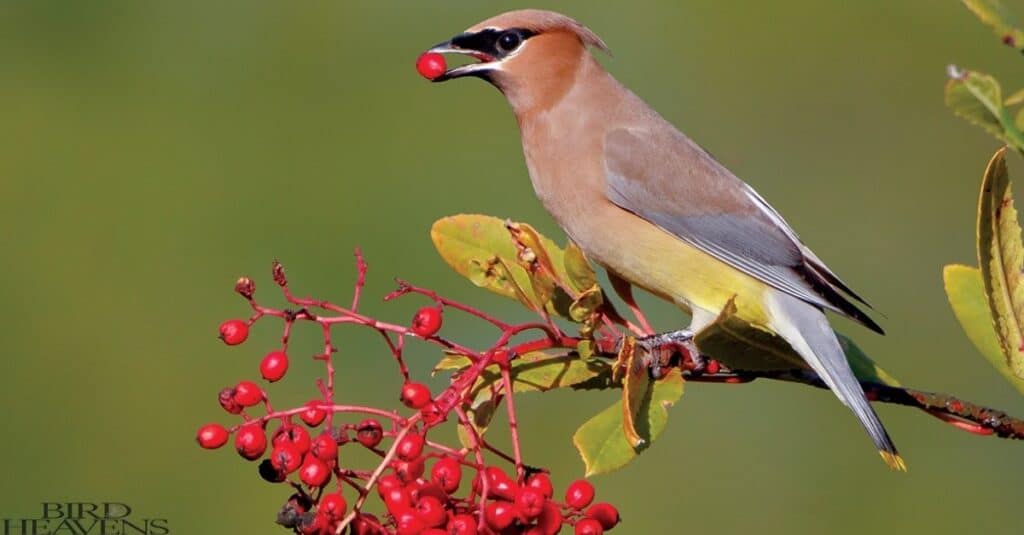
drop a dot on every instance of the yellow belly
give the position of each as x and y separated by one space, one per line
653 259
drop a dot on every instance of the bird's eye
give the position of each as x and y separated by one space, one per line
509 41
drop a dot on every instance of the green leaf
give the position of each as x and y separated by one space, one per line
966 293
1001 257
539 372
580 272
601 442
509 259
745 347
995 15
977 98
451 361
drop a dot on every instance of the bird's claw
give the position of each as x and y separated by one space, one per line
660 348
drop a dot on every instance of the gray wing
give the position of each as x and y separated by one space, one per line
670 181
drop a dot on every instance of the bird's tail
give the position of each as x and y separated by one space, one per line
807 330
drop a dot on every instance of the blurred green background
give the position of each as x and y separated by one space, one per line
151 152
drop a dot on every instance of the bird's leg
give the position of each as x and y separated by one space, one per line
660 348
625 291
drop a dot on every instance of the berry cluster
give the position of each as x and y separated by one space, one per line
420 483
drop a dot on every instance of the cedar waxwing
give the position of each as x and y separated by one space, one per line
651 206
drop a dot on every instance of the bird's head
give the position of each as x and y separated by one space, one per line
531 55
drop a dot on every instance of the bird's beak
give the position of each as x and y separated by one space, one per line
486 62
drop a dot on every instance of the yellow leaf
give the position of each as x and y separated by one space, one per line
600 441
966 293
1001 258
1002 22
581 273
634 389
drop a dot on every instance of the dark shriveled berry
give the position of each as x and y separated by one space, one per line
369 433
270 474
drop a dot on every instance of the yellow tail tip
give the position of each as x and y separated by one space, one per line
893 460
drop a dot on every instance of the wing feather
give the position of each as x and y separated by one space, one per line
670 181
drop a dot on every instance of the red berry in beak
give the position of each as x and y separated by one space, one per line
430 65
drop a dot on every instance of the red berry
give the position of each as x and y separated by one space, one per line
410 447
427 322
285 458
294 435
431 511
366 524
435 531
408 522
447 473
541 482
529 502
713 367
251 441
324 447
397 500
369 433
212 436
500 485
409 471
499 515
274 366
386 484
314 472
550 521
462 525
313 415
579 494
234 332
333 506
415 395
419 489
605 513
430 65
247 394
589 526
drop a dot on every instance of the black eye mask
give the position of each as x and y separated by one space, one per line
495 43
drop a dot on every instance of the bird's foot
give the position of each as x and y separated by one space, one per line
662 348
